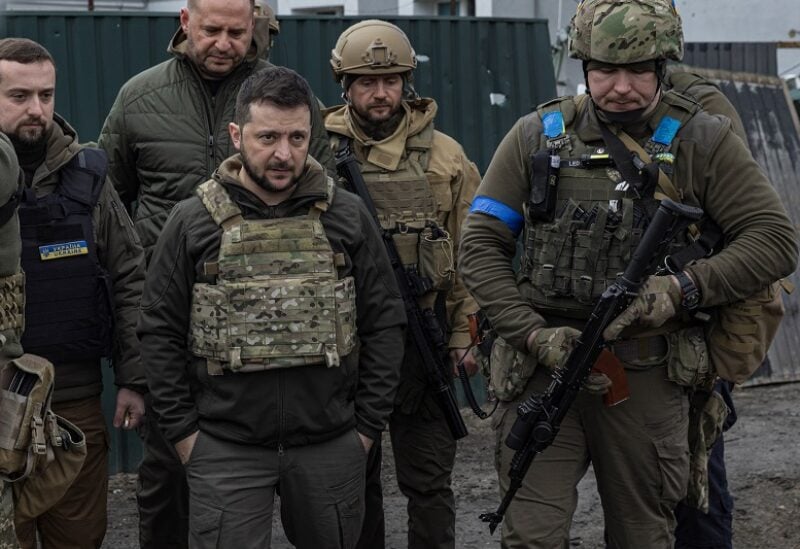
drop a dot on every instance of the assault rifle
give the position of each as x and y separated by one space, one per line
426 333
540 415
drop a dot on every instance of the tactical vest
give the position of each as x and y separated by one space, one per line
68 311
277 300
413 206
595 219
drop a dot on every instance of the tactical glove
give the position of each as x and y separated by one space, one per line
657 302
551 346
597 383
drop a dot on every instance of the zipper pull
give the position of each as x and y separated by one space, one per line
280 450
211 146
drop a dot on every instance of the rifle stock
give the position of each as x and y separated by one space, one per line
540 415
426 333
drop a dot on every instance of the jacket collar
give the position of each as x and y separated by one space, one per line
312 185
178 42
62 145
388 152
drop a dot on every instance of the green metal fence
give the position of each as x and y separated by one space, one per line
484 74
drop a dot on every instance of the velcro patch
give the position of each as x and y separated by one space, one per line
63 249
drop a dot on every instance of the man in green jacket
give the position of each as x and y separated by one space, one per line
166 134
290 382
84 270
580 236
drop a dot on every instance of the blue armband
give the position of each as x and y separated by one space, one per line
494 208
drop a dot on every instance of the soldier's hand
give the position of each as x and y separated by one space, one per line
552 346
657 302
470 364
129 410
366 442
597 383
185 446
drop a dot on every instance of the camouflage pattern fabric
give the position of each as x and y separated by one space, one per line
510 370
12 303
11 307
552 346
8 540
655 304
688 359
278 301
706 419
622 32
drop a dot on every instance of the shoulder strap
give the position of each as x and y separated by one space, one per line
83 176
420 145
556 115
216 200
668 189
321 206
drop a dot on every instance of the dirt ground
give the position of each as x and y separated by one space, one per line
763 459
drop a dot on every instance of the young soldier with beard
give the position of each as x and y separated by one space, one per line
418 178
84 270
272 332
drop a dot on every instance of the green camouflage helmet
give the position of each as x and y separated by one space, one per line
621 32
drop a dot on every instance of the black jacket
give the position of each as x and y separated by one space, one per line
285 407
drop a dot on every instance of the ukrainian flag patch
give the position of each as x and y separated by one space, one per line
63 249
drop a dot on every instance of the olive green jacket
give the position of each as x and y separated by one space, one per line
166 134
713 170
708 95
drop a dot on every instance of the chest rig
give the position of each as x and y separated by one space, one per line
68 312
413 206
277 301
583 219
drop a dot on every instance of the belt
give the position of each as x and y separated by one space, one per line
653 349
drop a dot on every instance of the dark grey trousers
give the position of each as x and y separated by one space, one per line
232 489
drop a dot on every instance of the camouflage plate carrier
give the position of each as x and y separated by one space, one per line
597 220
413 206
278 301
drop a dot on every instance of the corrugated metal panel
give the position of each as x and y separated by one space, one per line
463 60
773 132
752 57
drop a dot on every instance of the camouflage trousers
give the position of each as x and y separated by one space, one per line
8 540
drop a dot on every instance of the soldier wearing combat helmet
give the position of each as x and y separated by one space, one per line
421 183
579 178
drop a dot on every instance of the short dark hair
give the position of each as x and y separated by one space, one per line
277 85
191 5
22 50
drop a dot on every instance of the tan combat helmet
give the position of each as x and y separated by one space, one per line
265 27
372 47
621 32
